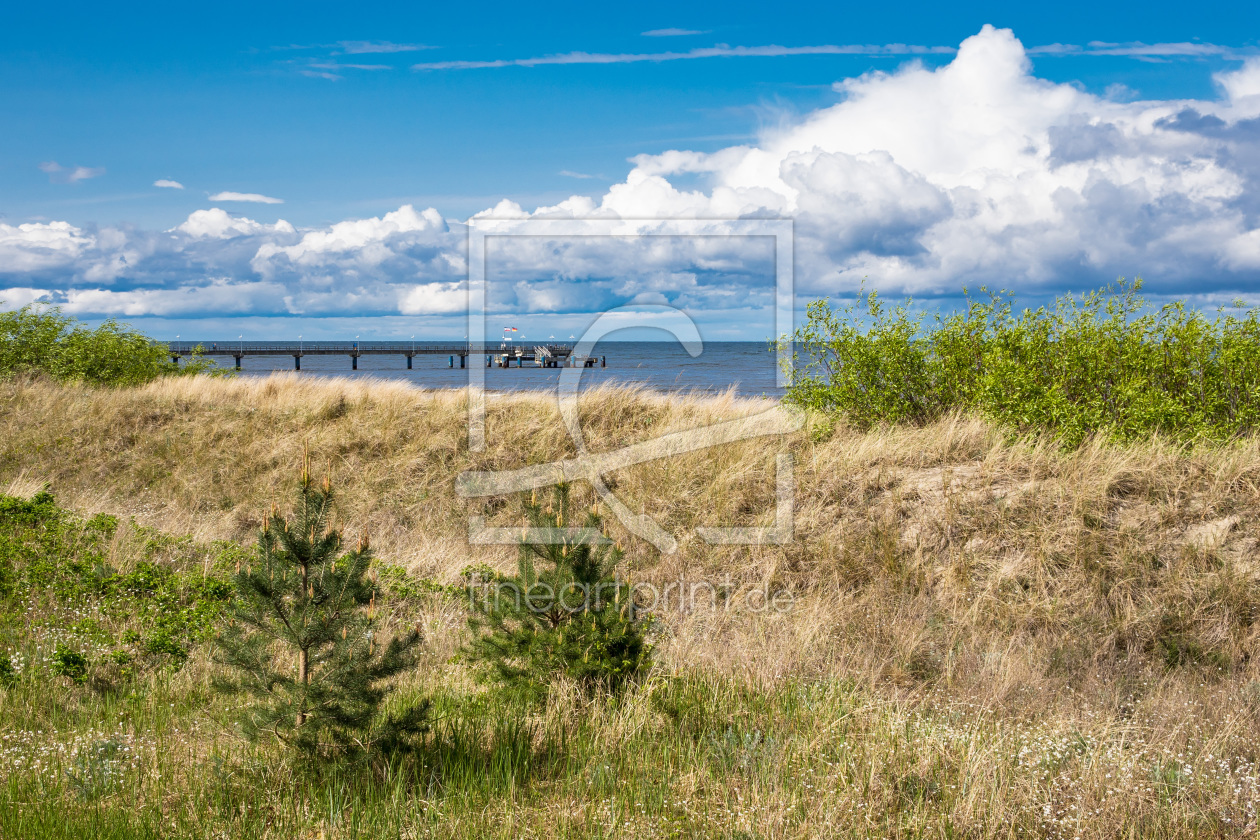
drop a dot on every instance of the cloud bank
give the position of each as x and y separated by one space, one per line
920 180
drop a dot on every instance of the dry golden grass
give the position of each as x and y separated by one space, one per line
1000 541
976 591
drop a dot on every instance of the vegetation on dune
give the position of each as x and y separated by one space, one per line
565 613
1102 363
61 586
693 752
988 635
40 340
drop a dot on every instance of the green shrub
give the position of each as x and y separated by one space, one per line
403 585
37 510
66 662
1103 363
106 524
564 613
39 339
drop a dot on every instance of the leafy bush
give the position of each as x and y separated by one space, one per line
40 339
67 662
571 617
1101 363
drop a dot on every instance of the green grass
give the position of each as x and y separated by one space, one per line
94 620
145 750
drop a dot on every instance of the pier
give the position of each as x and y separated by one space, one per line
497 354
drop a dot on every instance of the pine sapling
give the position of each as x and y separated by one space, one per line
302 640
564 613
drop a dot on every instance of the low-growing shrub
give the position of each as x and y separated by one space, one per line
66 662
39 339
1101 363
52 562
564 613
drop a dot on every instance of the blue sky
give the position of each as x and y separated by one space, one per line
344 112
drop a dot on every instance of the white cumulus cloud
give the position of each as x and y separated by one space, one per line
433 299
358 245
169 184
978 171
37 246
215 223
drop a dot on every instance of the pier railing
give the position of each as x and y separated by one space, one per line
544 355
344 348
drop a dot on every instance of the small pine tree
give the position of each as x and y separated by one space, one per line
302 643
563 613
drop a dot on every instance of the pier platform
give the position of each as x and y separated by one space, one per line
497 354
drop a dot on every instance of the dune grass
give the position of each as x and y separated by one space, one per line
987 637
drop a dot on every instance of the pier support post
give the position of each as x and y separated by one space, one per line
462 361
450 362
238 362
297 362
603 361
175 360
354 363
409 363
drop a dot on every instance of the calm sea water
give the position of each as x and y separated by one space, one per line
748 367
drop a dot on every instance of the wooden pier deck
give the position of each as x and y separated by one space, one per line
498 354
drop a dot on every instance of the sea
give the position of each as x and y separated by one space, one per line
747 368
